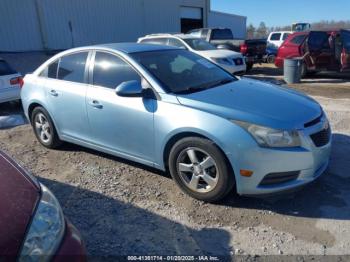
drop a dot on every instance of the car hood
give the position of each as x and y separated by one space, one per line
18 197
219 54
256 102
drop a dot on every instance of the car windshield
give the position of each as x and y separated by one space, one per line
199 44
181 72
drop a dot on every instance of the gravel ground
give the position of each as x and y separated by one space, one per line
122 208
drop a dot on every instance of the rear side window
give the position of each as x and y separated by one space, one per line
275 37
285 36
52 70
298 40
318 40
72 67
110 71
176 43
221 34
6 69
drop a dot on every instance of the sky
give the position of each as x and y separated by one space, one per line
285 12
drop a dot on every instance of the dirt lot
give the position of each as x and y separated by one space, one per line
122 208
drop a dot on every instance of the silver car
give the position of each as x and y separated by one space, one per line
174 110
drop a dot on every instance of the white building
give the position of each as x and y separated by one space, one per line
35 25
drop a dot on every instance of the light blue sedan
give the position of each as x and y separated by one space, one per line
173 110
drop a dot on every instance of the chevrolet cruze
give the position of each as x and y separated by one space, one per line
174 110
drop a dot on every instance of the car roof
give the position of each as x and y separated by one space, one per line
181 36
134 47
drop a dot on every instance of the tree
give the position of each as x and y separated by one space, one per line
262 31
250 31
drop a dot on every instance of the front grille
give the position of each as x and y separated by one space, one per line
279 178
238 61
321 138
314 121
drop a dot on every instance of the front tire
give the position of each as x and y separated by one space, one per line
44 128
200 169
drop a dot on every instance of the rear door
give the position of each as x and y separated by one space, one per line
66 87
345 55
320 55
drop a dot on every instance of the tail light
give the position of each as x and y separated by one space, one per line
17 81
244 48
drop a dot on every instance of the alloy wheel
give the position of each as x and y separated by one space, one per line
42 128
198 170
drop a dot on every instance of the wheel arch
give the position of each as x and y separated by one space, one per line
36 104
176 137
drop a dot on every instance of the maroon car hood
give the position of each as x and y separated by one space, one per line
18 198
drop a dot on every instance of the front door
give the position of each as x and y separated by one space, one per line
345 55
123 125
320 53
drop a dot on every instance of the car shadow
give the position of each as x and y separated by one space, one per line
11 115
328 197
111 228
74 148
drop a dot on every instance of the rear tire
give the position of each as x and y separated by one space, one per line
44 128
271 59
249 66
200 169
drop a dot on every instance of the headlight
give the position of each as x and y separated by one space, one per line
268 137
46 230
224 61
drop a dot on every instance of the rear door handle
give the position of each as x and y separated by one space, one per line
53 93
95 104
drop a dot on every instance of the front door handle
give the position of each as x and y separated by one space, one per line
53 93
95 104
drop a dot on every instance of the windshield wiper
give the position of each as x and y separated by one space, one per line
205 86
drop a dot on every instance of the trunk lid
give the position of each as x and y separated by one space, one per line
6 74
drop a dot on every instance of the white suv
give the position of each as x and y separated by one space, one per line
10 83
277 38
231 61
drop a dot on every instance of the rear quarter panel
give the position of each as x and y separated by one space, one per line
33 91
288 50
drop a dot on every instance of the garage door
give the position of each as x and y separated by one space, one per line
191 18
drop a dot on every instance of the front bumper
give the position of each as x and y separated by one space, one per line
72 247
308 160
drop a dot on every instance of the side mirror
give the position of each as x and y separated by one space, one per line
130 89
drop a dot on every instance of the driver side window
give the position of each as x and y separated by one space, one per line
110 71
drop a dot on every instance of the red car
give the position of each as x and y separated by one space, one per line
321 50
32 225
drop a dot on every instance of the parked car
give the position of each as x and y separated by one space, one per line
271 53
320 50
173 110
253 50
10 83
231 61
32 224
277 38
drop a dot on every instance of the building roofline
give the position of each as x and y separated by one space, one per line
228 14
